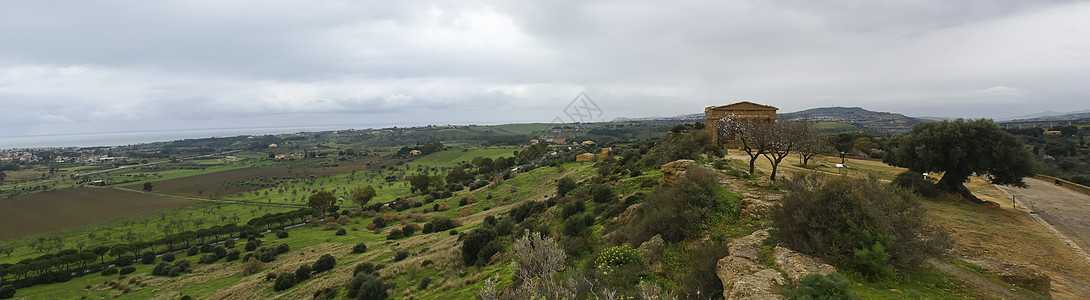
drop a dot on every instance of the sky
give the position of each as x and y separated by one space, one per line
75 67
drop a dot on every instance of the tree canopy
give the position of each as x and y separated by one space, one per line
322 201
961 148
363 194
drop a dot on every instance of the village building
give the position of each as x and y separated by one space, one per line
1054 133
745 109
585 157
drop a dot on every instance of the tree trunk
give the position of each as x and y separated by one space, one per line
954 183
752 160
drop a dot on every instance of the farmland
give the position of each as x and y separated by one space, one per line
67 208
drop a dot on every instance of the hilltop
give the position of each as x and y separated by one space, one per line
834 119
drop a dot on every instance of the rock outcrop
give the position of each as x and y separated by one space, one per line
651 250
753 208
1027 277
797 265
741 272
672 171
760 285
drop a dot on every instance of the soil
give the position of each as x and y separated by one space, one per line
49 211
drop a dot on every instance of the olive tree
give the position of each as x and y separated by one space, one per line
962 148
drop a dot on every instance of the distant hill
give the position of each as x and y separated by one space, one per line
829 119
859 118
1060 117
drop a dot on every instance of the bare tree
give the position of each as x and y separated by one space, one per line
811 143
754 134
785 138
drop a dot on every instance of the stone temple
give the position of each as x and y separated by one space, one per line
744 109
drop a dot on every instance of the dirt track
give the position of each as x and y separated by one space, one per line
1065 209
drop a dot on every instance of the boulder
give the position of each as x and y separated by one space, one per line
651 250
761 285
671 171
629 213
748 247
764 182
753 209
732 268
797 265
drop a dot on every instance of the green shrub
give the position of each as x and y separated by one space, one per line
168 257
602 194
473 242
359 248
147 257
341 232
208 258
914 181
565 185
366 285
817 286
126 270
325 263
7 291
281 234
617 256
679 212
283 248
109 271
438 224
401 255
284 281
856 223
700 277
302 273
486 252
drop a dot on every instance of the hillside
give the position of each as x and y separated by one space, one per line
862 119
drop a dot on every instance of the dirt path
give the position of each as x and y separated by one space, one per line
981 284
1065 209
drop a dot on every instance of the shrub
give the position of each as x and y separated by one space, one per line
230 243
208 258
283 282
572 208
394 234
302 273
283 248
858 223
281 234
7 291
379 222
424 283
473 242
126 270
576 225
359 248
617 256
147 257
366 286
484 256
252 266
251 245
438 224
565 185
401 255
219 251
109 271
331 226
679 212
602 194
341 232
365 267
124 261
915 182
325 263
168 257
817 286
524 211
232 255
408 230
700 277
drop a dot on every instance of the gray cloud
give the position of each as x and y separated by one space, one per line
111 65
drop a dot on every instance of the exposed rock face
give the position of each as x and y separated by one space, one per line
736 271
797 265
760 285
1027 277
764 182
651 250
753 209
629 213
671 171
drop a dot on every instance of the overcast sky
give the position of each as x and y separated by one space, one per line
106 66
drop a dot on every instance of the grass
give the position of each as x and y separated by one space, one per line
920 284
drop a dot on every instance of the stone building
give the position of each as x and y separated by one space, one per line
744 109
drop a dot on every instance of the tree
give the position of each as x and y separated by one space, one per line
812 144
147 186
322 201
754 134
2 176
363 194
786 137
457 175
961 148
419 182
565 185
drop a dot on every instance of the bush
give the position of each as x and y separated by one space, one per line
123 261
602 194
359 248
281 234
394 234
486 253
524 211
109 271
817 286
617 256
7 291
252 266
473 242
438 224
679 212
147 257
232 255
208 258
168 257
126 270
858 223
366 286
219 251
230 243
283 282
252 244
302 273
325 263
565 185
282 248
915 182
341 232
401 255
572 208
331 226
700 277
